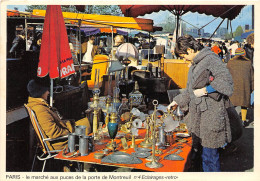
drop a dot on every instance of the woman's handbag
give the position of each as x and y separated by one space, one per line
203 80
235 122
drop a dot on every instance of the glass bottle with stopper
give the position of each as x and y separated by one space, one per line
100 135
136 97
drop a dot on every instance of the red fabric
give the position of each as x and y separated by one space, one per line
12 13
107 30
216 49
55 56
214 10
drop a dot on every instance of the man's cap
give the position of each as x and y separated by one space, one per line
36 89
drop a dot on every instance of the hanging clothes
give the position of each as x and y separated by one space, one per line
76 47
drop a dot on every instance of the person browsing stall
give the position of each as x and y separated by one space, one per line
242 72
208 120
118 40
89 50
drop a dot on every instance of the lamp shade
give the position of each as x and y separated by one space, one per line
127 50
115 66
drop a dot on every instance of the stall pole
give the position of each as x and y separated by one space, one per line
112 44
26 40
253 17
231 29
149 49
216 29
79 50
227 23
177 28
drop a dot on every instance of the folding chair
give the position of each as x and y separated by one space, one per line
47 153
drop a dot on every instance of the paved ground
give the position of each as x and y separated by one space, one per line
242 158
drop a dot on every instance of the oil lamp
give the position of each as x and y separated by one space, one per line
112 129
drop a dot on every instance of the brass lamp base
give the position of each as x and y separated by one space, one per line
112 146
150 158
96 137
105 129
146 144
159 152
133 146
154 164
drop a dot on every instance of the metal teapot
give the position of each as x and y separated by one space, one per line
178 114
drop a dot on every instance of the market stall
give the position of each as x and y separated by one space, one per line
178 151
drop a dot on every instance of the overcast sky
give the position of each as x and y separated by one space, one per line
245 17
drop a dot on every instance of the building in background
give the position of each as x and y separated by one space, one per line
196 33
247 27
221 32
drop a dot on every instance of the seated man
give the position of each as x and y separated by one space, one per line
50 121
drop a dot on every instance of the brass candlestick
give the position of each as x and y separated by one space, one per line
95 98
95 123
153 120
133 145
96 108
152 130
147 142
154 163
95 104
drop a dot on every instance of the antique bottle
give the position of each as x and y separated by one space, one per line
135 97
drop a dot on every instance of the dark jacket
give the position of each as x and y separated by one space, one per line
249 53
207 117
242 73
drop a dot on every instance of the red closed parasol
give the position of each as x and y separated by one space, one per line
55 56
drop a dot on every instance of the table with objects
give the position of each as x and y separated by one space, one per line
173 158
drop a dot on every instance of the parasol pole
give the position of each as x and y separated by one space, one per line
112 34
51 93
